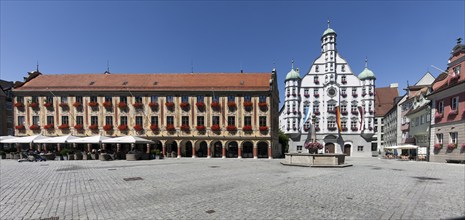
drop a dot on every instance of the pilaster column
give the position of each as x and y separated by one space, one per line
209 152
193 152
148 148
270 155
255 152
118 147
31 146
38 147
223 152
44 147
163 150
179 152
89 147
133 146
239 152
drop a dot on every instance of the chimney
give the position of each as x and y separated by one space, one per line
394 85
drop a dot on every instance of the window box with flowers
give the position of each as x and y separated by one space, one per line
200 105
170 128
48 104
138 127
49 126
93 104
438 115
63 127
107 104
344 81
344 95
20 127
463 146
78 127
370 128
437 146
364 94
215 105
153 105
232 104
331 111
451 146
184 105
263 128
355 95
371 93
248 105
77 104
33 105
371 112
344 112
154 127
306 128
307 95
453 113
263 106
345 129
108 127
247 128
316 113
231 128
316 95
93 127
185 128
354 112
354 128
169 105
63 105
200 128
34 127
19 105
215 128
317 128
316 81
138 105
294 94
123 127
331 128
122 105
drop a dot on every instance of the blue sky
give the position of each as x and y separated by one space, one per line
401 39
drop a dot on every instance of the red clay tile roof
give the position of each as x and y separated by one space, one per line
384 100
150 82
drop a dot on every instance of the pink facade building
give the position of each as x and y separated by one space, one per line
448 110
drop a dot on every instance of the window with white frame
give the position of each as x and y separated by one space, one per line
440 107
439 138
454 102
453 137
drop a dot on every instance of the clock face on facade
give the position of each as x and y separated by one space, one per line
331 92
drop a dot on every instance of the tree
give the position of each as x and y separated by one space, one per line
283 140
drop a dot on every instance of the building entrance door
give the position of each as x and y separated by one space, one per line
347 150
329 148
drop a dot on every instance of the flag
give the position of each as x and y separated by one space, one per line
338 118
307 114
362 112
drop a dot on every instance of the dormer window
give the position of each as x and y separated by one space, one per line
91 83
125 83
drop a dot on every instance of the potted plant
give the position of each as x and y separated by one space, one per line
153 105
200 127
138 105
185 128
93 104
122 105
64 153
313 147
184 105
232 104
123 127
2 154
107 104
215 127
48 104
169 105
20 127
133 155
77 104
93 127
33 105
157 154
138 127
170 128
200 105
451 146
231 128
437 146
154 127
215 105
63 126
247 128
19 105
108 127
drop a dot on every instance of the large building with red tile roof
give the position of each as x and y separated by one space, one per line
384 101
447 140
189 115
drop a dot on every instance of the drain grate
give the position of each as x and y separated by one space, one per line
132 178
214 166
112 169
51 218
210 211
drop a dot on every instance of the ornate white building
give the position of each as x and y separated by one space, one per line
313 98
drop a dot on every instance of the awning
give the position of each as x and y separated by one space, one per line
128 140
97 139
2 138
24 140
406 146
56 140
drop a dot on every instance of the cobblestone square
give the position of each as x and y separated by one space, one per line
230 189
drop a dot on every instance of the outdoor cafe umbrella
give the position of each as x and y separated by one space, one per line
128 140
56 140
